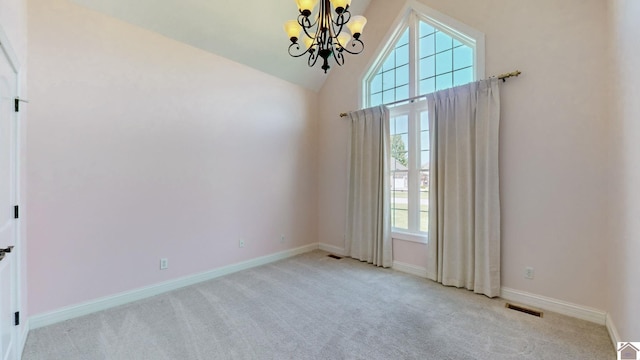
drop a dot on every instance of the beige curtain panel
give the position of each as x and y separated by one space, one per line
464 204
368 235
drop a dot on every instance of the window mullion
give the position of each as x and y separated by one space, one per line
413 55
414 172
414 185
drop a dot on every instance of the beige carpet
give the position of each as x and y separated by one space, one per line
315 307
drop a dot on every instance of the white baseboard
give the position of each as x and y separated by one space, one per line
107 302
332 249
555 305
410 269
613 331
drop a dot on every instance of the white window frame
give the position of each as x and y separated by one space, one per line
411 14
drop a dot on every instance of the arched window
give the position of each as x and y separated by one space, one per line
426 52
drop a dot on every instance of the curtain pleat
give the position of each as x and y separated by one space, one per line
464 206
368 236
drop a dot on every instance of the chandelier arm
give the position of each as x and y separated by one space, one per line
305 23
294 49
313 58
308 34
342 19
355 43
306 26
337 27
338 56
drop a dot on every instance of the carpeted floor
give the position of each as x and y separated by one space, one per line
314 307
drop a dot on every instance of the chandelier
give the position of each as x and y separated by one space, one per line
324 35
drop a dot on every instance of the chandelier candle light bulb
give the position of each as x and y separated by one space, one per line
341 5
343 38
292 29
356 25
306 6
325 34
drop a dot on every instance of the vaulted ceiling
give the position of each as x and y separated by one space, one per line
249 32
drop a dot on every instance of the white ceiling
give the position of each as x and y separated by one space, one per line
249 32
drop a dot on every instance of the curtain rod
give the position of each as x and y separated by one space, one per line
502 77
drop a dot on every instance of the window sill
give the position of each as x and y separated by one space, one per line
416 238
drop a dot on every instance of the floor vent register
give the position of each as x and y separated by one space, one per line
524 310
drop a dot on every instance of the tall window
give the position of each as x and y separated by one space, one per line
429 52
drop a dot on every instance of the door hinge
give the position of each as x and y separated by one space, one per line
16 212
17 103
17 318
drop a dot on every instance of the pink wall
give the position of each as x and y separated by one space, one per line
142 147
552 143
624 160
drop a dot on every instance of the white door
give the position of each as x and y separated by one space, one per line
8 198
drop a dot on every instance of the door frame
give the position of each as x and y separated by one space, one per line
22 330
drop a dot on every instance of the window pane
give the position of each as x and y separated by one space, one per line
462 76
388 96
389 63
394 166
443 41
444 81
427 86
399 201
399 152
425 29
402 55
424 159
400 186
405 140
427 67
424 201
402 75
427 46
400 158
424 181
424 120
404 38
399 167
401 124
444 62
462 57
424 219
376 99
402 92
456 43
376 84
400 215
388 80
424 140
401 219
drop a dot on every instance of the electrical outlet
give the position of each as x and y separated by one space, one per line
164 264
241 243
281 239
528 272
